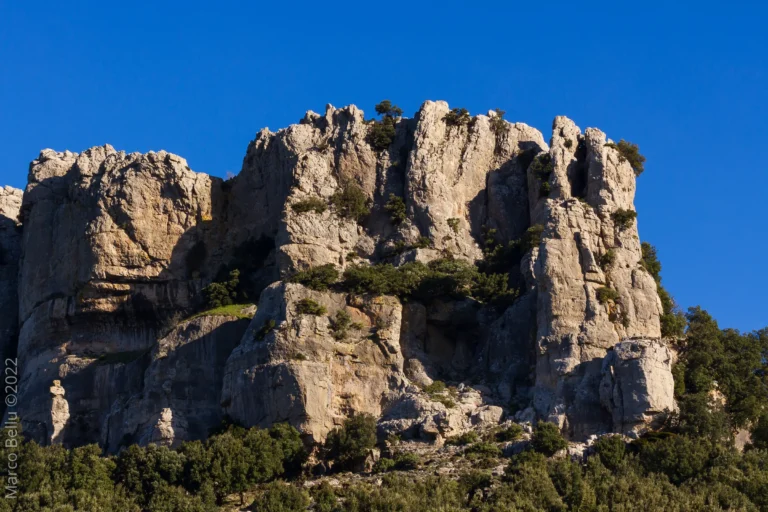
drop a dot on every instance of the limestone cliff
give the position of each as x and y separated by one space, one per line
116 248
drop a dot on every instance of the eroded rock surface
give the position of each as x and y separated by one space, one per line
116 248
10 248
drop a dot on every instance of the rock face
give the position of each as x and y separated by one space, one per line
589 184
637 384
116 248
104 267
10 249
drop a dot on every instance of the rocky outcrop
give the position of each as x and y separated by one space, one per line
181 393
637 385
104 266
583 253
116 248
10 248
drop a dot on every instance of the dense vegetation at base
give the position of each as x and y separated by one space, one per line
690 464
676 469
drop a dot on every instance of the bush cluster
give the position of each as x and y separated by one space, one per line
672 319
624 218
443 277
310 307
312 204
498 257
381 133
606 294
454 223
353 441
341 323
196 477
607 259
498 124
317 278
629 152
457 117
222 293
396 208
542 168
350 202
547 439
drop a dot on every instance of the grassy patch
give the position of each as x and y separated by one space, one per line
235 310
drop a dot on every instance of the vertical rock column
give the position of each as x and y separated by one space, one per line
584 258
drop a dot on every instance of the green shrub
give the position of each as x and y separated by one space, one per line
281 497
443 277
342 323
511 433
383 465
265 329
310 307
386 108
532 237
424 242
464 439
437 386
457 117
312 204
382 133
673 320
607 259
405 461
351 256
611 450
678 457
624 218
759 433
396 208
353 441
350 202
568 143
384 279
545 189
605 295
483 450
542 167
324 497
498 124
629 152
453 223
317 278
222 294
547 439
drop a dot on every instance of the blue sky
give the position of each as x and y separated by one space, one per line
687 81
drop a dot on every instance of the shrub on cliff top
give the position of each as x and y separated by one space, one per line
498 124
457 117
629 152
382 133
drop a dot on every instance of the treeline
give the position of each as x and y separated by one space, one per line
196 477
